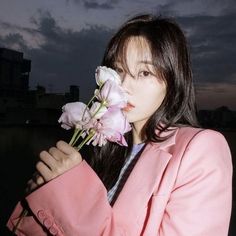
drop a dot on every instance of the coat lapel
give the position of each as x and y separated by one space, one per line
143 180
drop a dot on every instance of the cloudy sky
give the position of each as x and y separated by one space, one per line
65 39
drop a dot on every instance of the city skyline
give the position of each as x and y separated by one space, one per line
65 40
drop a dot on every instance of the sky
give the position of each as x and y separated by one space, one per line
65 40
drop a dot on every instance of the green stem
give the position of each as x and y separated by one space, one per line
103 103
73 137
90 100
94 96
78 136
88 105
91 134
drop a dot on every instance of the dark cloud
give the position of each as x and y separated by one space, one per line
226 6
212 42
12 27
15 40
65 57
47 26
92 4
95 5
211 39
196 7
68 57
165 9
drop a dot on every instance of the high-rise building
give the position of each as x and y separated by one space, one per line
14 73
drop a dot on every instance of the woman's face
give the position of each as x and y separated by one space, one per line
144 89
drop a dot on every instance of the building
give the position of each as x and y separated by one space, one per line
18 104
14 74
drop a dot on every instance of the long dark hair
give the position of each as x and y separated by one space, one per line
171 59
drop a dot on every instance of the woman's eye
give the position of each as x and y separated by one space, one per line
119 70
145 73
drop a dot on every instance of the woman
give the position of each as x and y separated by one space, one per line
174 179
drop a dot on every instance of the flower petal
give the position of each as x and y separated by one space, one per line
112 95
104 73
112 126
74 115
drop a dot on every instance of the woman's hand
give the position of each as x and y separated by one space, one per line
57 160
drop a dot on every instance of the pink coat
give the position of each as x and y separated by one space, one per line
180 187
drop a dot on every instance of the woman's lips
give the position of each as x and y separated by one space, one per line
128 107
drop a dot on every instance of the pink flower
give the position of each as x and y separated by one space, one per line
112 126
97 110
104 73
111 94
74 114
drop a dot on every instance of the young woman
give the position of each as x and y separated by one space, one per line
174 179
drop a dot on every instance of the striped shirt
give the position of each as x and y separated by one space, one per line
136 148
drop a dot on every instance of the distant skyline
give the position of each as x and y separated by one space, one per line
66 39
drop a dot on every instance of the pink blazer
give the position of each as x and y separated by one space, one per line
180 187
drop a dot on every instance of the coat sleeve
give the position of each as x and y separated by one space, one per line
74 203
200 203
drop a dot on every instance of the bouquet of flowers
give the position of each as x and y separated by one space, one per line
102 119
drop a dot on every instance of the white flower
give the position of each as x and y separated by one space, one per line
104 73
